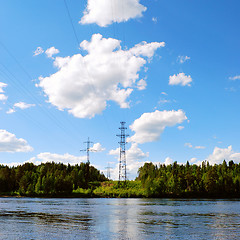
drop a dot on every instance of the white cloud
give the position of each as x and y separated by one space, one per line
141 85
106 12
57 158
97 147
163 93
9 143
168 161
180 128
220 154
149 126
114 151
180 79
38 51
154 19
146 49
182 59
51 51
193 160
191 146
2 85
235 78
199 147
135 153
21 105
3 97
10 110
84 84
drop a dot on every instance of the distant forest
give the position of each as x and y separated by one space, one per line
175 180
221 180
48 179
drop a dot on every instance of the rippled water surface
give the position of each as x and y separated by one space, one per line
34 218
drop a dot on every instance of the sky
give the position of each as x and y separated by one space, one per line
70 70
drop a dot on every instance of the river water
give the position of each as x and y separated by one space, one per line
35 218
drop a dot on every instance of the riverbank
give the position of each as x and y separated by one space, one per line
128 189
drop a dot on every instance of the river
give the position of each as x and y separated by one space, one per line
66 218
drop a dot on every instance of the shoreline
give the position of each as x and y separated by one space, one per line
117 197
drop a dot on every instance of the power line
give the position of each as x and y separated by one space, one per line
70 18
84 63
88 149
25 91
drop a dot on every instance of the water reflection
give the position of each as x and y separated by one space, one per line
119 219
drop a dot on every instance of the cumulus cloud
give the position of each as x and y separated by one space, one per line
220 154
135 153
38 51
193 160
180 128
146 49
51 51
20 105
235 78
180 79
149 126
168 161
9 143
57 158
3 97
84 84
106 12
97 147
182 59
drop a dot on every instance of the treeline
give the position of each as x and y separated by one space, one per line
176 180
49 179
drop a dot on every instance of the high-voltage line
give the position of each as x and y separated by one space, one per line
88 149
122 159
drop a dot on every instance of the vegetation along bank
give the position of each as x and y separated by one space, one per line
175 180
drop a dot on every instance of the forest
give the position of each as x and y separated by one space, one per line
174 180
48 179
222 180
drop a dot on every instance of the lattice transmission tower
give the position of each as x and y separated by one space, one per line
108 171
122 158
87 150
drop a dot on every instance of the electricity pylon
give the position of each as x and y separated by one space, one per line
122 158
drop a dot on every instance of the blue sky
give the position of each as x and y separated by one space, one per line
170 69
